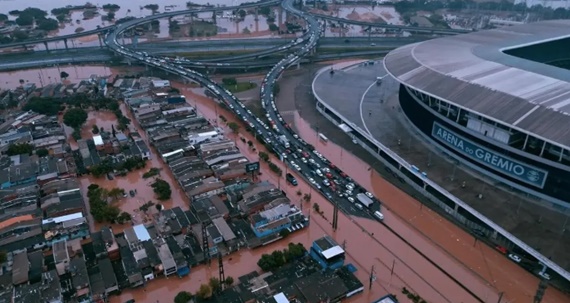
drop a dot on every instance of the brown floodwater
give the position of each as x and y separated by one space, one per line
484 271
375 254
435 236
134 179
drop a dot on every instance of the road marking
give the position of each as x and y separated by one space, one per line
361 102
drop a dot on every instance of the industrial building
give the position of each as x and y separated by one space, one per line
497 101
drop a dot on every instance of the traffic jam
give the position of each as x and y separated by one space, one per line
297 154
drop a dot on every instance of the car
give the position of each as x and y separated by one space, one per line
350 187
312 180
284 155
326 182
326 170
319 173
350 199
501 249
304 160
515 258
545 275
369 195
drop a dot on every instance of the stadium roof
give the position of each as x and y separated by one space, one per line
472 72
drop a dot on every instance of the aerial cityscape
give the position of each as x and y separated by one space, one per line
284 151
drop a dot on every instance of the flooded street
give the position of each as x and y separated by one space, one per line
455 250
133 180
376 253
50 75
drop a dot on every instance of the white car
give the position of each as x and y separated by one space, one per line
304 160
312 180
351 199
544 275
515 258
369 195
350 187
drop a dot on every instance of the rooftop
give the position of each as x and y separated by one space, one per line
473 72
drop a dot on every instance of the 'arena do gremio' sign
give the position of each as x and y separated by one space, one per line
506 165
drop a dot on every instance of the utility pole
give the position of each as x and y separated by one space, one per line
205 243
500 297
335 217
221 274
372 278
540 291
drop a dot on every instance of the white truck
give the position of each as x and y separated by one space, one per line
284 141
364 200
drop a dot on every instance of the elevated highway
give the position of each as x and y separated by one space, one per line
141 21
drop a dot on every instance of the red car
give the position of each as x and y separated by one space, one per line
501 249
343 174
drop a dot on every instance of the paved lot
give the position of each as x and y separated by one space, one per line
536 225
405 215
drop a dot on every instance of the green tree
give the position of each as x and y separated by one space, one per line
263 156
3 17
124 217
42 152
234 127
110 16
75 117
215 284
204 292
95 129
229 81
48 24
116 193
273 27
3 257
316 207
183 297
63 75
229 281
20 148
242 13
162 189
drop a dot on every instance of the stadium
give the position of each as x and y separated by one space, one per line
498 101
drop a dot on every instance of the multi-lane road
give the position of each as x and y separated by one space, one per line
256 48
291 149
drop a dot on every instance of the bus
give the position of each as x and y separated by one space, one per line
323 138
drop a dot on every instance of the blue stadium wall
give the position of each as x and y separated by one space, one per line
556 184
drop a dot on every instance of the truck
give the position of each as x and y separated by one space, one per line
364 200
284 141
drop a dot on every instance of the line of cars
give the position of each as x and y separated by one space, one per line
335 185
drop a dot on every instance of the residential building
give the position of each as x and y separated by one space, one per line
20 268
79 277
255 200
108 274
20 232
61 256
214 234
273 220
182 268
168 264
50 288
131 267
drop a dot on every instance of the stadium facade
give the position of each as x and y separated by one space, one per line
498 101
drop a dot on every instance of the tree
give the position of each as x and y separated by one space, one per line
95 129
124 217
110 16
75 117
3 257
273 27
234 127
48 24
42 152
63 75
3 17
204 292
229 281
162 189
113 132
249 143
183 297
159 207
307 197
116 193
215 284
20 148
316 207
229 81
263 156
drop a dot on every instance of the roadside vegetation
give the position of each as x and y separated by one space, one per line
100 204
278 258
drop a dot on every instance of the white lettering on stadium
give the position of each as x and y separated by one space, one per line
481 154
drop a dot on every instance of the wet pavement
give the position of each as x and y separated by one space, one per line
406 216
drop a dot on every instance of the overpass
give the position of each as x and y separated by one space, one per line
140 21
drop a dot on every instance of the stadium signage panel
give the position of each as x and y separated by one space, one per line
506 165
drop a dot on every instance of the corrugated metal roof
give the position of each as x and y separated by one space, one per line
472 72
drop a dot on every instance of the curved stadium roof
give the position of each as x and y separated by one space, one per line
472 72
